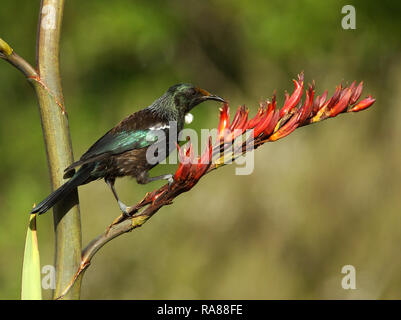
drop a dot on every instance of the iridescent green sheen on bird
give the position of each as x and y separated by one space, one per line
122 151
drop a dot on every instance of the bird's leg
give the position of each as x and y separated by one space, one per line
168 177
143 178
122 206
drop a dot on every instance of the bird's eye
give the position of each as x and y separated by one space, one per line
191 92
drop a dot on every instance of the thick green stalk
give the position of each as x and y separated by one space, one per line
47 84
58 144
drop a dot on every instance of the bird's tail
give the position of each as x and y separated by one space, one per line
81 177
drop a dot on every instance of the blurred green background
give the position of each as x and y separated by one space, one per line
328 195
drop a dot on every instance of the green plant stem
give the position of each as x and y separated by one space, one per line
47 84
58 144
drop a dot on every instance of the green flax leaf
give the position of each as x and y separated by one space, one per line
31 277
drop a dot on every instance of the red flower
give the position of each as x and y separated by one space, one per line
364 104
291 102
269 124
191 169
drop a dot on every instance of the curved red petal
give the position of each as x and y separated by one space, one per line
224 119
356 94
292 101
363 104
264 121
342 103
286 129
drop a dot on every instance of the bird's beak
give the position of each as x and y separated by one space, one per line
214 97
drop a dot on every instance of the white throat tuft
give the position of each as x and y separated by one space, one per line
189 117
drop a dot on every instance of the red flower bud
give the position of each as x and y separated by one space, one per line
362 105
291 102
342 102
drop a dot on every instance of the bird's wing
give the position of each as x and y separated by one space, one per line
113 143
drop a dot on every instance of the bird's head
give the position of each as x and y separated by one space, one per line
187 96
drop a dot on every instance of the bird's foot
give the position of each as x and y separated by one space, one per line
169 177
170 180
124 209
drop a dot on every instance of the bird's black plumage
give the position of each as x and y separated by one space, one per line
122 151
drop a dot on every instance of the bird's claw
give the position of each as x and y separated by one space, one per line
124 209
170 181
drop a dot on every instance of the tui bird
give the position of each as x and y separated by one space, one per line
122 151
